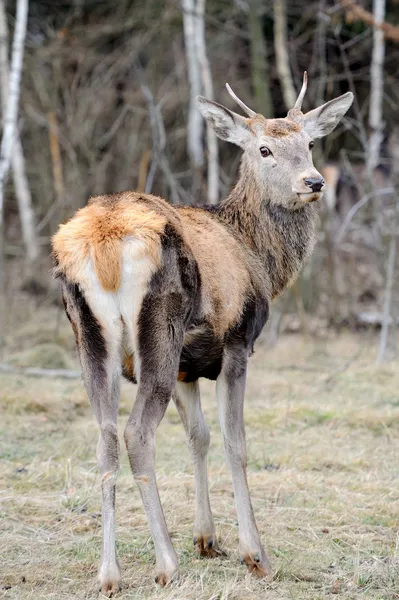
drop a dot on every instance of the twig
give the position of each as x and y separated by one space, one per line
159 143
351 213
327 381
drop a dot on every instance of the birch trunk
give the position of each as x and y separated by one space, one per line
11 112
281 51
21 186
206 77
200 80
195 120
9 127
376 88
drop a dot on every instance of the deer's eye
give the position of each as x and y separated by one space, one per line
311 144
264 151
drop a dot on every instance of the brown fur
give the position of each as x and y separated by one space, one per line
98 230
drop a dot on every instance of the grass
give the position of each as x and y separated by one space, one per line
322 467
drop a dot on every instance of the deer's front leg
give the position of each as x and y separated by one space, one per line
230 389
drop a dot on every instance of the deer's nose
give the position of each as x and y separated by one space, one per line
315 183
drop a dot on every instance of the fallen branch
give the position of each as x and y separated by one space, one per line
37 372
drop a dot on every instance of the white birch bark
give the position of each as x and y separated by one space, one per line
11 112
21 186
376 88
206 77
281 51
200 80
195 120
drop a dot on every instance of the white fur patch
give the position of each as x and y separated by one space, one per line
110 307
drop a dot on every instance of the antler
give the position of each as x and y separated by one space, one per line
298 103
250 113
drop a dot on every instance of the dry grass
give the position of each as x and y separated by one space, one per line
322 467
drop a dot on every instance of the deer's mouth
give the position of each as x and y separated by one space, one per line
310 196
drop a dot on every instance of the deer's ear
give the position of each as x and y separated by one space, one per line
321 121
226 124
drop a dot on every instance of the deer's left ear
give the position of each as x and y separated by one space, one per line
321 121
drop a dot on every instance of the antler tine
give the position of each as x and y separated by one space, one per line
250 113
298 103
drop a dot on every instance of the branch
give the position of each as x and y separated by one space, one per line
354 12
159 144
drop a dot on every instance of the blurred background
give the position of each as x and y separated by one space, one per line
107 104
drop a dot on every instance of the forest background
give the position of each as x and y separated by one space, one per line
107 104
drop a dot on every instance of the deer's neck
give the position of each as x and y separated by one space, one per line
281 238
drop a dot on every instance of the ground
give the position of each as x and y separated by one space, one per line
322 431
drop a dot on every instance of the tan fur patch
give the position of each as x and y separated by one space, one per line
97 231
273 127
224 276
281 127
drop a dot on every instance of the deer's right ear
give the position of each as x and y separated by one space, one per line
227 124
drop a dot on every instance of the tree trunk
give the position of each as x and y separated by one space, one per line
281 51
390 315
259 65
21 186
200 80
206 77
10 120
195 121
376 97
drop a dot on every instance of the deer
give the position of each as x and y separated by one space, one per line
166 295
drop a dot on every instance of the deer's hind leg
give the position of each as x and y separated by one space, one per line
98 345
188 403
160 340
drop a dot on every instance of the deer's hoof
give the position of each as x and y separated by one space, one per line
164 578
257 564
110 588
110 582
207 546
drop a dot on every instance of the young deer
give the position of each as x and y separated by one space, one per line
168 294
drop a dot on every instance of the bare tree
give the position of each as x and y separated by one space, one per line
21 186
200 79
281 51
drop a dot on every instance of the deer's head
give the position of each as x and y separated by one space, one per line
278 152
